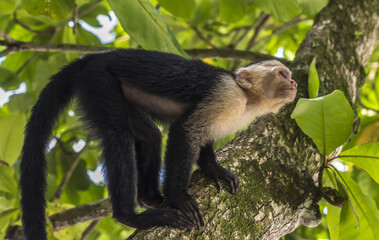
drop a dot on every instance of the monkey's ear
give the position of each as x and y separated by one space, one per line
243 77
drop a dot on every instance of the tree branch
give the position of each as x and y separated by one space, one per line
19 46
69 173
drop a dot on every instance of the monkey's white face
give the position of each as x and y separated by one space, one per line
269 81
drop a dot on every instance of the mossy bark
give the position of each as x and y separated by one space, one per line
273 159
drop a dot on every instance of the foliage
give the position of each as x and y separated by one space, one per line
328 120
166 25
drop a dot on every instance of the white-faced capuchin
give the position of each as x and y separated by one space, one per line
119 92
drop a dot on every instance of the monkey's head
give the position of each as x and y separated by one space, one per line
267 81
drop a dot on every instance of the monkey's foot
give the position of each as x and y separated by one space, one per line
188 206
217 173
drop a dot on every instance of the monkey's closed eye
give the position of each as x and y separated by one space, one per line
282 74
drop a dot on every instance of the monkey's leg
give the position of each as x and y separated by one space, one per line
207 162
148 145
182 152
106 111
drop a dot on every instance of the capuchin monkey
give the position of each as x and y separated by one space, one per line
119 93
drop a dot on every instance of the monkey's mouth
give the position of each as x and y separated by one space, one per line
289 89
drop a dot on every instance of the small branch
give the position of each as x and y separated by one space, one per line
364 106
232 55
90 211
257 31
7 38
46 32
69 173
75 19
2 162
28 62
281 29
204 39
195 53
89 229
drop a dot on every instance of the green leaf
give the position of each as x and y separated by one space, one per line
282 10
143 23
9 80
21 102
229 15
56 10
205 10
313 80
8 183
311 7
12 136
367 211
333 219
366 156
327 120
182 8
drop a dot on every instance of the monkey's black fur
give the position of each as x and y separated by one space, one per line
131 143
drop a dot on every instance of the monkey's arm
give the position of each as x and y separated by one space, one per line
207 163
182 152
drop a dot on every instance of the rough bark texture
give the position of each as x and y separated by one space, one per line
274 161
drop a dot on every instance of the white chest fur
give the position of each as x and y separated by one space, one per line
229 113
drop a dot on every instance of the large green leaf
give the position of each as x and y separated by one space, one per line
283 10
21 102
9 80
311 7
205 10
143 23
333 219
8 183
12 136
182 8
313 80
327 120
57 10
229 15
366 156
367 227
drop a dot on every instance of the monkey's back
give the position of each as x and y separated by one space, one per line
163 74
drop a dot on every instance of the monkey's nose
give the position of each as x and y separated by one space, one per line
293 83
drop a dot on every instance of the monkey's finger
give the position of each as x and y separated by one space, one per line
193 214
189 213
217 183
237 184
233 184
182 222
199 214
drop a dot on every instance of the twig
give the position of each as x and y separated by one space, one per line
257 31
364 106
69 173
2 162
282 28
28 62
204 39
75 19
7 38
195 53
89 229
46 32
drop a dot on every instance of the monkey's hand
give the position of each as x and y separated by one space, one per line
188 206
217 173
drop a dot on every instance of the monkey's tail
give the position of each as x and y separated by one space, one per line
51 102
